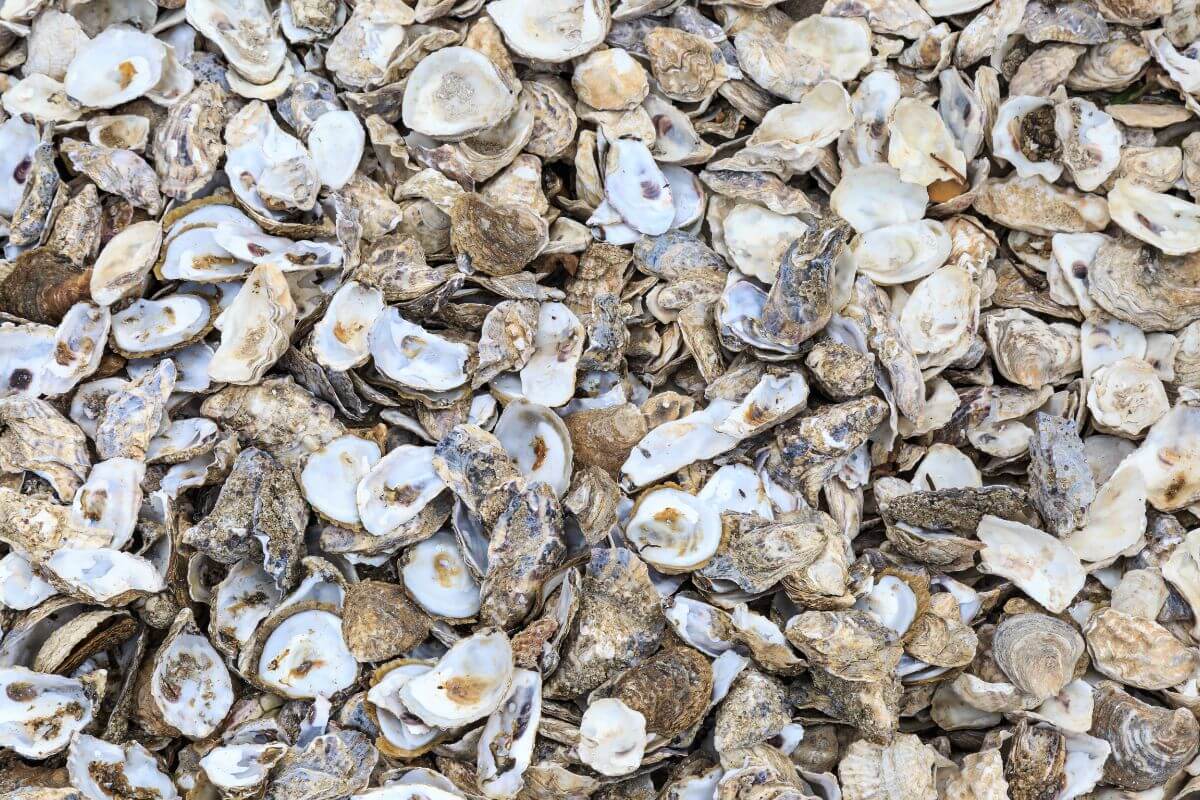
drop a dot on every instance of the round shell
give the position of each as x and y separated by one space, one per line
456 92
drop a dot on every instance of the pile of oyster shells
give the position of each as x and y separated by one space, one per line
648 399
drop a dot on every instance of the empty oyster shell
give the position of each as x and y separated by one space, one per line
331 475
395 489
245 33
1170 224
105 771
556 31
1042 566
456 92
413 357
255 328
43 711
149 327
305 656
673 530
468 683
117 66
612 737
437 577
124 263
190 685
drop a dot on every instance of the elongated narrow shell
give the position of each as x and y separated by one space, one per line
124 263
506 744
255 329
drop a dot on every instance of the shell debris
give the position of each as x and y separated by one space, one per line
599 399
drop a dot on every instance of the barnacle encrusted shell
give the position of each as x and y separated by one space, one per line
619 623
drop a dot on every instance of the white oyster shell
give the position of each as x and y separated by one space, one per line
1040 565
190 684
110 498
39 712
149 327
245 32
549 375
256 329
456 92
413 357
305 656
671 446
1165 221
901 253
469 682
104 575
437 577
340 339
129 771
336 143
397 488
757 238
117 66
876 196
538 441
551 30
674 531
612 737
122 266
331 476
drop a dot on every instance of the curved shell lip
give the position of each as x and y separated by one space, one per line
288 663
217 20
396 489
331 476
131 64
340 340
